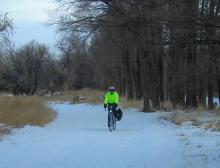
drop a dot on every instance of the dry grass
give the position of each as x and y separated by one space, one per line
217 110
125 103
217 126
178 118
4 130
189 114
166 106
214 126
91 96
181 117
20 111
78 96
199 117
201 108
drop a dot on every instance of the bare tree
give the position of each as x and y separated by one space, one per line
6 28
24 68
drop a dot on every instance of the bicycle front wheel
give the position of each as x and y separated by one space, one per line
111 122
114 121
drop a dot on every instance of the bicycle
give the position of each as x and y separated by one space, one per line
111 118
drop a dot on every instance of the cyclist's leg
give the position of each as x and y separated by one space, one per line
109 117
115 112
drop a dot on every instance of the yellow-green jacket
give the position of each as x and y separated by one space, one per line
111 98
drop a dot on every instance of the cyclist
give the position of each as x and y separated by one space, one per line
111 98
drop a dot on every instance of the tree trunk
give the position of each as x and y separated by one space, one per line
218 89
138 79
210 95
129 79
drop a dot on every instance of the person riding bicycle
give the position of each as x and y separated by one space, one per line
111 98
111 101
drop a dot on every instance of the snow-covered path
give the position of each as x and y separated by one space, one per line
79 138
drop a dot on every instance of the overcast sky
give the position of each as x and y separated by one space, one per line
29 18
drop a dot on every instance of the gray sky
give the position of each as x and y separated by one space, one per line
29 18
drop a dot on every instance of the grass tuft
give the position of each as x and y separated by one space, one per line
180 117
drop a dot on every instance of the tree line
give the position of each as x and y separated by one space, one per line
158 50
29 69
155 50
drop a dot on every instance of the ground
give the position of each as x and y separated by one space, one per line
79 138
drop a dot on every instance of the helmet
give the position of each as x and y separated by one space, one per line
111 88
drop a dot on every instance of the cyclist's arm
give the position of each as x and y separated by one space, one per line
116 98
106 99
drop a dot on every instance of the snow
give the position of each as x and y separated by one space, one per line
79 138
215 101
201 147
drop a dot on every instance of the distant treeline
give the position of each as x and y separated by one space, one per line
29 69
156 50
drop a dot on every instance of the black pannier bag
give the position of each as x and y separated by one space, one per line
118 114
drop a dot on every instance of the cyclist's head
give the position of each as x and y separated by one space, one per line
111 89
